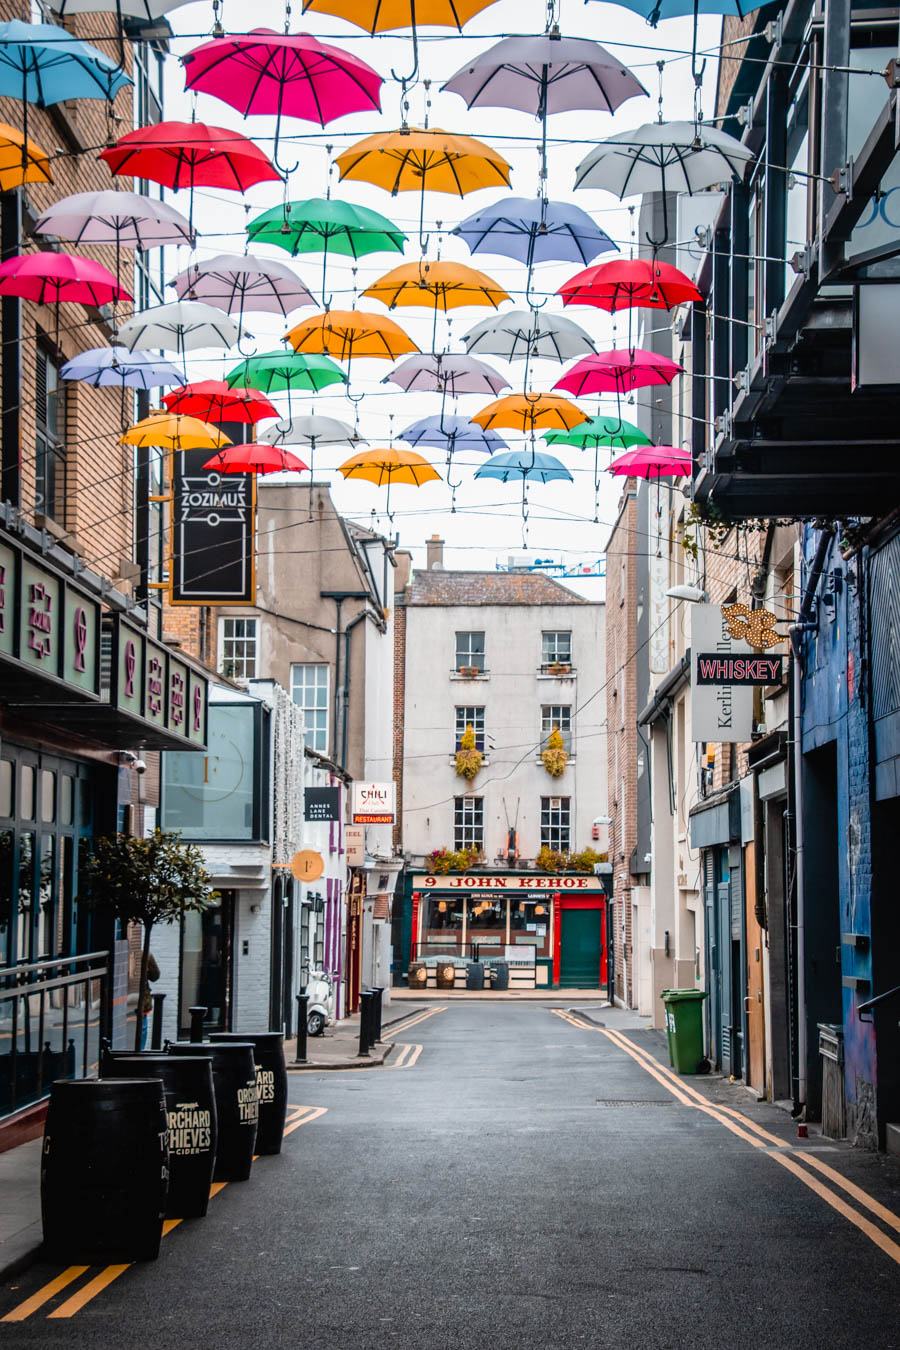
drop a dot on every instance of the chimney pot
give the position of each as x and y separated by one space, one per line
435 552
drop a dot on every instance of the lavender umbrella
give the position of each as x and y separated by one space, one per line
235 282
117 367
449 434
125 219
446 375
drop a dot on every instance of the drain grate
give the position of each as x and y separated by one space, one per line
623 1101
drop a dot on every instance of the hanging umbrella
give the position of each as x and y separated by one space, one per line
449 285
283 74
348 333
652 461
182 326
445 374
618 372
528 412
524 464
117 368
388 466
169 431
53 278
215 401
235 282
600 431
533 230
125 219
520 334
310 429
20 161
627 283
44 64
274 371
320 225
543 74
146 11
255 458
683 157
451 434
415 159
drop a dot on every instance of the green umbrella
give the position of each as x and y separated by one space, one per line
320 225
611 431
274 371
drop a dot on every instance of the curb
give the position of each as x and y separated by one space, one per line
370 1063
21 1251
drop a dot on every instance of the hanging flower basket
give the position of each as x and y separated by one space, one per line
555 757
468 757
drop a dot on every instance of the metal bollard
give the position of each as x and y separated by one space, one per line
156 1025
378 991
198 1017
302 1015
365 1022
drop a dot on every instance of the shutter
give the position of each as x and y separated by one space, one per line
723 898
737 894
884 621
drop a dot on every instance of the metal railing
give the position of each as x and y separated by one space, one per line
872 1003
41 1002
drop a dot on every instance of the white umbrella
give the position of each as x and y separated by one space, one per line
146 10
183 326
521 334
234 282
125 219
310 430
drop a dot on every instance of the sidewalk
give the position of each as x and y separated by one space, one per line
561 998
338 1048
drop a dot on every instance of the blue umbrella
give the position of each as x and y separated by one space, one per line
654 10
524 464
117 367
452 433
533 230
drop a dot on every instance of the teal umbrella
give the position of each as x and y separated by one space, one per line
613 432
272 372
320 225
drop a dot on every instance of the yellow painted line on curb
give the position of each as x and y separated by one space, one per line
44 1294
313 1114
420 1017
404 1054
89 1291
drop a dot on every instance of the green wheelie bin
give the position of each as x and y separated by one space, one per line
684 1028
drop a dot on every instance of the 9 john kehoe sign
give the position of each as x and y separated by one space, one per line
722 706
374 803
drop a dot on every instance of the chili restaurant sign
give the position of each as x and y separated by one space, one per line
374 803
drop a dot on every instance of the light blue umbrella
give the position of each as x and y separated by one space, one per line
532 465
117 367
654 10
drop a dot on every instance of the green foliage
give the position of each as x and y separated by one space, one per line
444 860
561 860
703 515
468 756
555 757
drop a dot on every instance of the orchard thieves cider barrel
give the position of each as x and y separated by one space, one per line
104 1170
271 1080
237 1103
191 1109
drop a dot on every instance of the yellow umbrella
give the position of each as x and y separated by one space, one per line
414 159
381 16
175 431
528 412
449 285
13 173
345 333
387 466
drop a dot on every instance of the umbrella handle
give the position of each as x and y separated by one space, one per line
404 80
658 243
282 169
530 301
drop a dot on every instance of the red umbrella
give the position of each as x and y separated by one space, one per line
49 278
618 372
652 461
190 154
625 283
215 401
254 458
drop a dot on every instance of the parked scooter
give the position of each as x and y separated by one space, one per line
320 1009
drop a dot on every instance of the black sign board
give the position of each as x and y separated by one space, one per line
744 668
321 803
213 533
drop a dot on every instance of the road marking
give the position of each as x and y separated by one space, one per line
409 1054
89 1291
44 1294
415 1019
313 1113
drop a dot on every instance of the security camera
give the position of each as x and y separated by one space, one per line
140 766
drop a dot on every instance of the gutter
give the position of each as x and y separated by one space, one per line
665 691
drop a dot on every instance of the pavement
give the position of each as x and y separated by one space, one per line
338 1046
521 1178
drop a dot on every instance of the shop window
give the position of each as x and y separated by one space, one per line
557 715
7 798
66 799
470 717
26 792
470 651
48 794
556 649
309 690
468 822
555 822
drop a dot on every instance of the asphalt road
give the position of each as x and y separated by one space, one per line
524 1181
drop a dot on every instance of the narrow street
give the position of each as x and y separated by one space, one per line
516 1177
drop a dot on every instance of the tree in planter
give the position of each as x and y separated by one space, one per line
146 881
555 757
468 756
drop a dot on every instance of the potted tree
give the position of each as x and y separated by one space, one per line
146 881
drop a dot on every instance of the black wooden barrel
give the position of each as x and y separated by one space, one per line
104 1170
191 1110
237 1103
271 1080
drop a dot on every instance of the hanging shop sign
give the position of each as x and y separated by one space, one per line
715 669
307 865
374 803
721 711
322 803
756 626
213 534
469 881
161 697
355 845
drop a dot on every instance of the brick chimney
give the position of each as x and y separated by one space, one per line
435 552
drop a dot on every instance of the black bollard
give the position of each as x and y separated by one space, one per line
156 1026
302 1015
198 1017
378 992
365 1022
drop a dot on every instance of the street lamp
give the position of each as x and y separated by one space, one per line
693 594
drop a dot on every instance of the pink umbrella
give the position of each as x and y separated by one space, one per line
255 458
283 73
48 278
652 461
618 372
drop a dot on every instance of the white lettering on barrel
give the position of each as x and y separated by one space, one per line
265 1084
248 1103
190 1130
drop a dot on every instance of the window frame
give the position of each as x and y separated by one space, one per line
476 721
313 734
556 834
50 446
472 807
554 653
224 662
465 655
548 722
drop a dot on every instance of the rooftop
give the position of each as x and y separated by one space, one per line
438 587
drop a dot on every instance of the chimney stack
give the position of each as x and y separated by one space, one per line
435 552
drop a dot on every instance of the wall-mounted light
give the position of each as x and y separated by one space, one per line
692 594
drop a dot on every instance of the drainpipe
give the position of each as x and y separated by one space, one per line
803 625
345 712
339 597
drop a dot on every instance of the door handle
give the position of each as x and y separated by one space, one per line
747 1003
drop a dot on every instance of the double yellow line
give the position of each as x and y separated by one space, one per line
297 1116
758 1137
416 1018
407 1056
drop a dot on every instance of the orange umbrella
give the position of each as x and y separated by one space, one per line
528 412
445 285
20 164
174 431
387 466
345 333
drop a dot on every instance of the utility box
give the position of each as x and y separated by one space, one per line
834 1105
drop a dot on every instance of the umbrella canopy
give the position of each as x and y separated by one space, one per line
521 334
627 283
348 333
50 278
600 431
146 10
117 368
311 430
450 434
123 218
415 159
654 10
652 461
215 401
529 412
388 466
189 155
235 282
663 157
255 458
618 372
321 225
169 431
533 230
273 371
446 374
527 465
42 63
182 326
382 16
21 161
438 285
